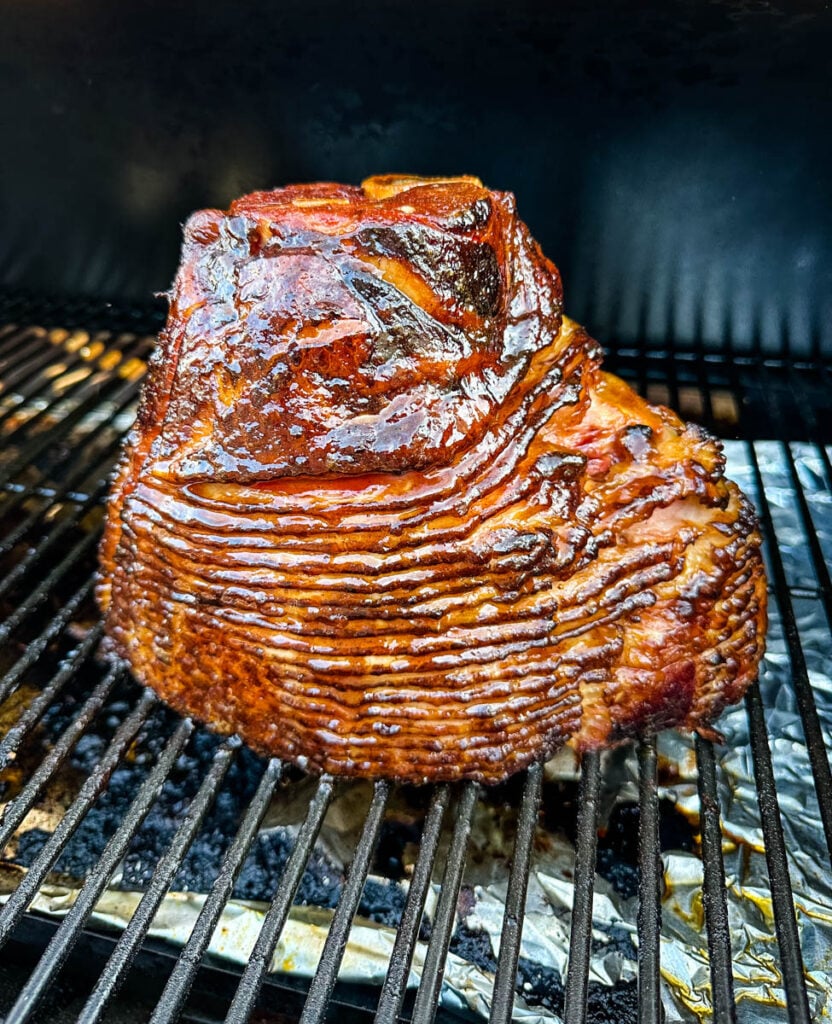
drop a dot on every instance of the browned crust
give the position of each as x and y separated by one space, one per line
577 569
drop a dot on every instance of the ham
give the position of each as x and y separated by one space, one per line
382 513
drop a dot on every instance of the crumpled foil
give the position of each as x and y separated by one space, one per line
758 983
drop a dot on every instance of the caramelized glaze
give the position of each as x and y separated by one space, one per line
383 514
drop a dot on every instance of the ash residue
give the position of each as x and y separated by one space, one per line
675 830
29 846
618 844
321 884
84 849
616 1004
201 864
606 1004
395 837
617 858
383 899
383 902
540 986
622 877
543 986
474 946
265 863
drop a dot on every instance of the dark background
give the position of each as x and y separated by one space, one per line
672 158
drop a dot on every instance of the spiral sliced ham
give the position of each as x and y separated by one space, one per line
383 514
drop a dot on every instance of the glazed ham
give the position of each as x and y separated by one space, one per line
382 513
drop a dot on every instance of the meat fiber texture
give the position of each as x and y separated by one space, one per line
382 513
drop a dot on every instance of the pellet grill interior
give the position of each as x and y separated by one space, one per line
152 871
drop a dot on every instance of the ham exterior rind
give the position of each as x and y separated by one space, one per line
383 514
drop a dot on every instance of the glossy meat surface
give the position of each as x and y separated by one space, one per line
382 513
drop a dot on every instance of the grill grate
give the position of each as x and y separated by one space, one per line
65 400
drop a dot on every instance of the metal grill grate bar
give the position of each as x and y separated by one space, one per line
11 348
85 391
15 812
78 471
91 789
53 408
61 528
136 931
775 850
713 890
66 350
10 743
336 941
275 919
393 990
35 516
13 337
30 451
502 1005
36 647
72 348
818 561
785 922
650 887
577 974
80 468
182 977
815 742
16 340
42 592
26 371
708 418
67 934
672 377
430 985
806 700
807 415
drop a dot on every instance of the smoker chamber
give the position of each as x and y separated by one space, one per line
69 376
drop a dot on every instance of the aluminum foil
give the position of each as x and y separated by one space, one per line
685 976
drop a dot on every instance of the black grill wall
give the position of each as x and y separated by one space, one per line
673 158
